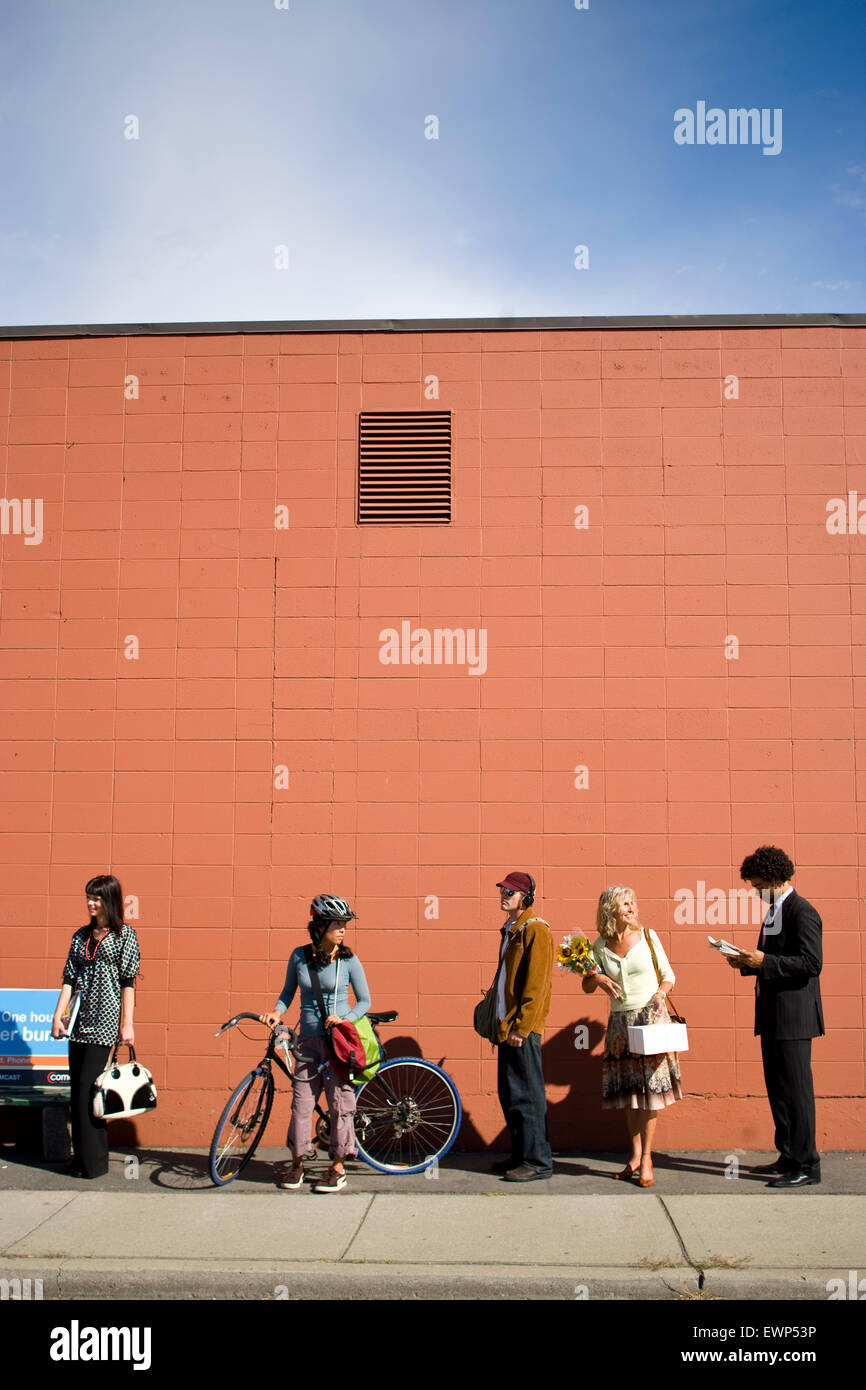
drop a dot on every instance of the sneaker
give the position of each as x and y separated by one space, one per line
294 1177
332 1183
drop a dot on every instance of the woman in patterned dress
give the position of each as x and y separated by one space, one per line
642 1086
103 962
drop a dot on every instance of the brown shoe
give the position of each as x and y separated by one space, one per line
526 1174
293 1177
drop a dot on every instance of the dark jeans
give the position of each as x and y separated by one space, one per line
89 1135
788 1078
524 1103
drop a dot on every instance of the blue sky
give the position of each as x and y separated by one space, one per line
305 127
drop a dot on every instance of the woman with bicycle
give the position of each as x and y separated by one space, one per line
337 967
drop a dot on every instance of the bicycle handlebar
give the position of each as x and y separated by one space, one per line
289 1038
237 1018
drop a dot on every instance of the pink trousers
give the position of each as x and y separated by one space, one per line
306 1091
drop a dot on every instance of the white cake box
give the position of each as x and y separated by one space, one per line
648 1039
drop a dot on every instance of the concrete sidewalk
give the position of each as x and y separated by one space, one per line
412 1238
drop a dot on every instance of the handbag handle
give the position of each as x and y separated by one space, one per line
671 1006
117 1047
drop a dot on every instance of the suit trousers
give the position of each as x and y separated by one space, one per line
89 1135
524 1102
788 1078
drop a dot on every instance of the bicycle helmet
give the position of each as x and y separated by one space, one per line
330 908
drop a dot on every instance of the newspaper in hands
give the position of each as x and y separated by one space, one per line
724 947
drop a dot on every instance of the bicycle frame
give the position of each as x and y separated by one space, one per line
392 1109
271 1056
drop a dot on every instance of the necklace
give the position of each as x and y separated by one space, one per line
88 955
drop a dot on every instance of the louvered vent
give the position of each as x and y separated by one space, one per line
404 467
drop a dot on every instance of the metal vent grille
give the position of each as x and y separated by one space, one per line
404 467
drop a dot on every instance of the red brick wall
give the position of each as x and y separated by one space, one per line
606 648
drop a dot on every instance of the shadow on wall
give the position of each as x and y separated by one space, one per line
577 1121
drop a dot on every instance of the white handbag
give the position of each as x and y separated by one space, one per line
652 1039
123 1089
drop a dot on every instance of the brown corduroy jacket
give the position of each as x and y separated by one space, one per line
528 967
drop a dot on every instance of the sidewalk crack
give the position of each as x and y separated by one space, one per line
358 1228
686 1256
10 1250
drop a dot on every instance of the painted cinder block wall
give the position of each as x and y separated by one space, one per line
259 647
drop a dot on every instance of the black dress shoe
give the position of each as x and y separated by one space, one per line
800 1178
504 1165
781 1165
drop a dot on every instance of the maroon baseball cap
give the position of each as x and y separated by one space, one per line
520 883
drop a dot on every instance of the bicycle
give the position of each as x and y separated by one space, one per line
406 1117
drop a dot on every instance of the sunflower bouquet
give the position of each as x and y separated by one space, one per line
574 954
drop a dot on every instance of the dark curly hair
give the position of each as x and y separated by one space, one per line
317 926
767 863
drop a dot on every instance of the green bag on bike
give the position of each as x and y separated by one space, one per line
369 1042
372 1051
364 1028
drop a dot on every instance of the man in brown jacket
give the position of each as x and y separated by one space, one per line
523 1003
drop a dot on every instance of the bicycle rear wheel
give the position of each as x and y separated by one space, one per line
407 1117
241 1126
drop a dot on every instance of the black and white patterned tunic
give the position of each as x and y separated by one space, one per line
114 966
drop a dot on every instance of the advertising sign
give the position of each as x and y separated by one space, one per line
29 1056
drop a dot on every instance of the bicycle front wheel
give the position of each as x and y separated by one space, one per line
241 1126
407 1117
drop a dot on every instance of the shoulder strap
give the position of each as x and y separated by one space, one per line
315 982
672 1008
649 942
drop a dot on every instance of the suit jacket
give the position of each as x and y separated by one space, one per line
787 992
528 968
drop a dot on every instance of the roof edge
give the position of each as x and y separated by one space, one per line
124 330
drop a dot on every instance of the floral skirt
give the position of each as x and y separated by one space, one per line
633 1082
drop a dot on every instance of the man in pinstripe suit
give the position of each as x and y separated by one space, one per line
788 1013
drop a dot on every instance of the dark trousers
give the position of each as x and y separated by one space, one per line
89 1135
788 1077
524 1103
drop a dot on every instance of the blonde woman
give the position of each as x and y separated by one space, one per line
642 1086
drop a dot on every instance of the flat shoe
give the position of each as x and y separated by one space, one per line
526 1174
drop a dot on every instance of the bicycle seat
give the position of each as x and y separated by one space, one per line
376 1019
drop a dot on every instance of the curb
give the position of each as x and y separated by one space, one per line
268 1282
265 1281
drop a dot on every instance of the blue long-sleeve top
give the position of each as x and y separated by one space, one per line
297 973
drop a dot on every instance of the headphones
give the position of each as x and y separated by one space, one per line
530 897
